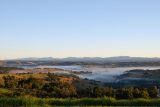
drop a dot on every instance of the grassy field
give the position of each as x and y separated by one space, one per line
37 102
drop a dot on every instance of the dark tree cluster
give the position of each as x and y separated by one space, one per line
53 87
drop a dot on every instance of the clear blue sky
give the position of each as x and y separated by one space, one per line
79 28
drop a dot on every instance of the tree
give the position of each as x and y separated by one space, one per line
59 89
136 93
98 92
144 93
124 93
30 83
10 81
52 77
153 92
109 92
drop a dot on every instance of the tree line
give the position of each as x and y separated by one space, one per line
53 87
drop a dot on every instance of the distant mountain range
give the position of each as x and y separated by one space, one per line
93 59
119 61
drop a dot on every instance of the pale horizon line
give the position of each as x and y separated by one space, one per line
18 58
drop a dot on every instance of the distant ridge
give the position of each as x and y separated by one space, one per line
92 59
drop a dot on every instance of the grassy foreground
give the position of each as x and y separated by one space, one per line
37 102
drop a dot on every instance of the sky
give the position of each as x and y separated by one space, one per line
79 28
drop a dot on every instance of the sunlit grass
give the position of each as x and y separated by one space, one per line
28 101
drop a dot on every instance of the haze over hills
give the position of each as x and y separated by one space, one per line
93 59
118 61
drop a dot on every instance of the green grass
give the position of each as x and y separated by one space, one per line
28 101
104 102
5 92
22 102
